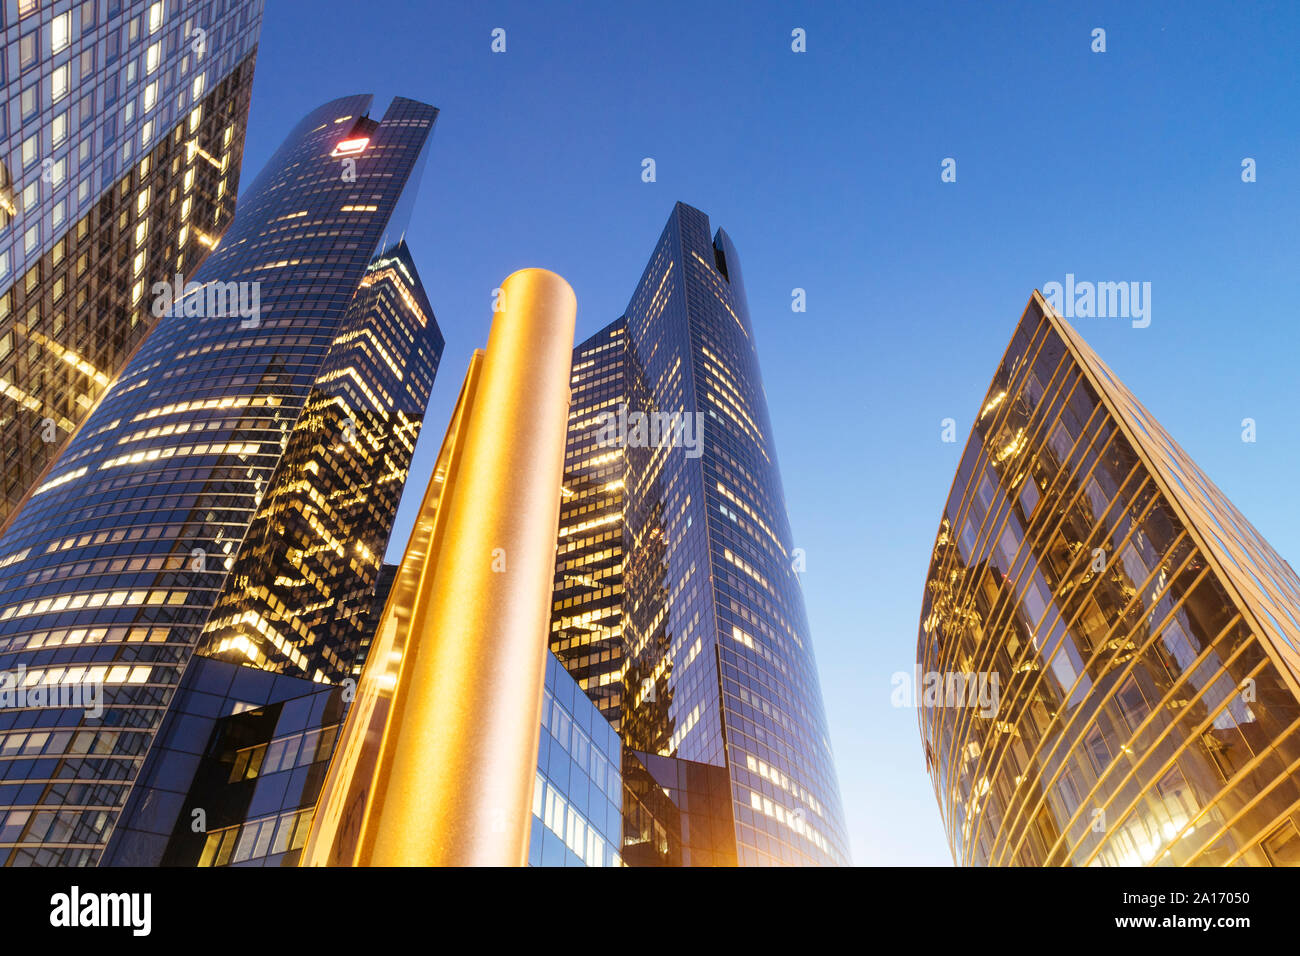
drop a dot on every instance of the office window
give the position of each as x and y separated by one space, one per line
27 51
60 32
28 103
59 84
155 17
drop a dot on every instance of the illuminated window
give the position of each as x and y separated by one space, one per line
59 28
59 84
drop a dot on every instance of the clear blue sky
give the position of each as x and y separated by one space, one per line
825 169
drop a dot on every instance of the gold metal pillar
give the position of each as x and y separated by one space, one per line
451 783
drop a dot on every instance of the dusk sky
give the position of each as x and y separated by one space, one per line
825 169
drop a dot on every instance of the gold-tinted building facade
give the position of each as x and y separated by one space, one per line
299 596
1139 636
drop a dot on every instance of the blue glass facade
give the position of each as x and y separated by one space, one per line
235 772
110 570
577 797
720 665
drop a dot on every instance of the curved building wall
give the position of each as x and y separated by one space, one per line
1106 658
111 568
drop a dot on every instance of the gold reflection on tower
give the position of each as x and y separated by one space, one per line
1140 634
437 761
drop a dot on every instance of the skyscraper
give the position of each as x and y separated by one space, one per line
299 595
1140 638
121 135
721 702
587 619
111 568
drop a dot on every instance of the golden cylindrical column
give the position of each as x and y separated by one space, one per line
460 750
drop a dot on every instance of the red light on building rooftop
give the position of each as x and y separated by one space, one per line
350 147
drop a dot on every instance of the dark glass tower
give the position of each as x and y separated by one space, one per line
1140 636
587 615
121 135
298 598
110 570
719 662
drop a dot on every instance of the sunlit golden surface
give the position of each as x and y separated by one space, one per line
1142 634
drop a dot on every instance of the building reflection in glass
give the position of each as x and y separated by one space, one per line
1142 634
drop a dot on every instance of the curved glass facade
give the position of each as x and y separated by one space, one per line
1107 655
111 568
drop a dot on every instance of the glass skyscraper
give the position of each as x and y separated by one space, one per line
110 570
1139 639
121 135
721 706
587 615
299 595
